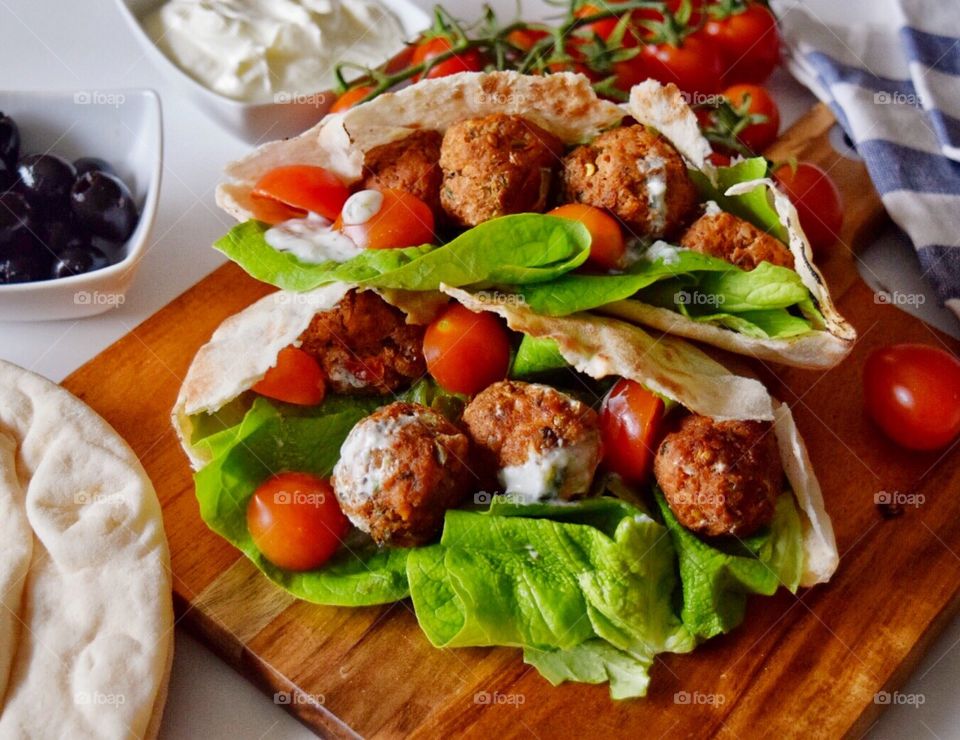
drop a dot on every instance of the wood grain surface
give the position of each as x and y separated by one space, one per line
806 665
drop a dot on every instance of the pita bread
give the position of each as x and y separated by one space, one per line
247 344
602 347
86 638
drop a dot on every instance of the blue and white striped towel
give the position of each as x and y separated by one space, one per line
892 77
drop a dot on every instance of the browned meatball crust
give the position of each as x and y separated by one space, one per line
720 477
494 166
411 164
365 346
400 469
542 442
637 175
737 241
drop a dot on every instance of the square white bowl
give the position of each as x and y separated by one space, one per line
254 123
122 127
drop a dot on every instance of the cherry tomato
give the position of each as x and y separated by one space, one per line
296 378
403 220
695 66
748 42
629 426
607 245
466 351
757 136
295 521
350 98
468 61
817 201
603 28
719 159
526 38
912 392
300 188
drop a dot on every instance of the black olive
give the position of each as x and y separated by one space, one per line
60 234
9 140
93 164
8 175
24 260
16 216
45 179
78 261
104 206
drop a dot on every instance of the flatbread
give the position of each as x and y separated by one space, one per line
602 347
86 638
247 344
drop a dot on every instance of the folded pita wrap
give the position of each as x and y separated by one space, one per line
86 635
602 347
566 105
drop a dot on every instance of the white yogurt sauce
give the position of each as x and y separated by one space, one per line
710 208
566 469
361 207
660 250
311 240
653 168
263 51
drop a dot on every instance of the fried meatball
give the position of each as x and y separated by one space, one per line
494 166
637 175
542 442
400 469
720 477
737 241
365 346
411 164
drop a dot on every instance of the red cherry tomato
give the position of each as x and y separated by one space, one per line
403 220
296 189
526 38
468 61
350 98
607 245
603 28
695 67
630 425
719 159
912 392
296 378
757 136
748 41
295 521
817 201
466 351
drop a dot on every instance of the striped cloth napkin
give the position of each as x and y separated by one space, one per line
892 77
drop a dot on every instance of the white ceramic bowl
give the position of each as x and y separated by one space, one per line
254 123
124 128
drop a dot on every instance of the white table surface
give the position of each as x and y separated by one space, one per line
48 44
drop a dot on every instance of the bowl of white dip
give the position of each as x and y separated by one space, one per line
264 69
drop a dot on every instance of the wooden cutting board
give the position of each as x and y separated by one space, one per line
806 665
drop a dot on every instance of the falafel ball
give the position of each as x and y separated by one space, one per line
542 442
411 164
735 240
365 346
720 477
494 166
637 175
400 469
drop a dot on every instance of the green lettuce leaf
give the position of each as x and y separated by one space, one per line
551 577
536 356
717 576
754 206
595 661
511 250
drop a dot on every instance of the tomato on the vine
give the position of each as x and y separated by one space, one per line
756 136
694 66
912 392
293 190
629 426
817 200
387 220
526 38
749 42
295 521
466 61
350 98
296 378
607 245
466 351
604 27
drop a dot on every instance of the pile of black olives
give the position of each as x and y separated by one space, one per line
58 218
